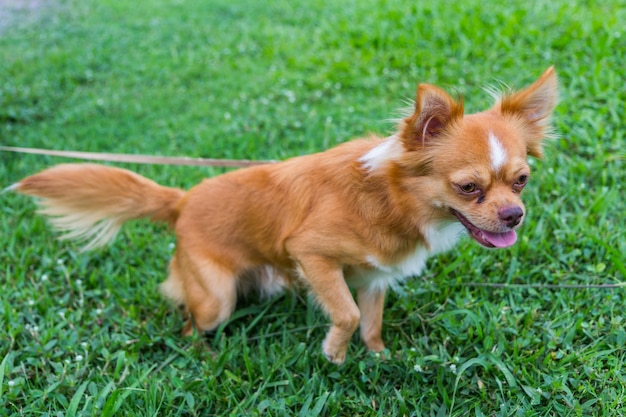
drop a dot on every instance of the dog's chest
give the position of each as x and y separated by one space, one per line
380 275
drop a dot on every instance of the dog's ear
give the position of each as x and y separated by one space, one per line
434 111
534 106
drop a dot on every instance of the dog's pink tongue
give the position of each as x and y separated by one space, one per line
500 240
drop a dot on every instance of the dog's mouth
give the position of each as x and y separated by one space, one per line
484 237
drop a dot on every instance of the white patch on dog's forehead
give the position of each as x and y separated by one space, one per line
388 150
496 152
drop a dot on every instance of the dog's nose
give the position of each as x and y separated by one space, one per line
511 215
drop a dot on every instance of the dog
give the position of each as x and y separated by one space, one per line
362 216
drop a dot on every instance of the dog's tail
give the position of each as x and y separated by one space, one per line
91 202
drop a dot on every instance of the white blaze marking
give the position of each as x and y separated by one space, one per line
497 152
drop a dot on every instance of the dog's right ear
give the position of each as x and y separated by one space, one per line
434 111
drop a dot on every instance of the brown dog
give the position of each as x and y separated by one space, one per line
363 215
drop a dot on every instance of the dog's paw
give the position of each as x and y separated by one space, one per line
188 329
336 355
375 345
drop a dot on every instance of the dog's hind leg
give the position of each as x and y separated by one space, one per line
173 287
208 289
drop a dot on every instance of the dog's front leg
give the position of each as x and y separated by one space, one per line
371 304
325 278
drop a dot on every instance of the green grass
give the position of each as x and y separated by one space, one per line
88 334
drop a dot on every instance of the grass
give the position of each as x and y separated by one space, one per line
88 334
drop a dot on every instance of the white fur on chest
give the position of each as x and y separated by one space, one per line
441 237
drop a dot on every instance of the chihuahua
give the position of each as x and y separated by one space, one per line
364 215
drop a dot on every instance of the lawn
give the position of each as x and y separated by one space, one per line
535 329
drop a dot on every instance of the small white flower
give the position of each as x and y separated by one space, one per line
418 368
44 277
172 246
79 282
31 302
453 368
79 358
12 383
60 261
83 345
98 311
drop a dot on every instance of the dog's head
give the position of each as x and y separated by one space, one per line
473 168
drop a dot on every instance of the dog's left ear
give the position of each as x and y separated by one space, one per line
534 106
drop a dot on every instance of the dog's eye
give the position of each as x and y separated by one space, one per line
522 180
520 183
468 188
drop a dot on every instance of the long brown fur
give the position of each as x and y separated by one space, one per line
333 220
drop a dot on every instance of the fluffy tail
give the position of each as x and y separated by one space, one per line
91 202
